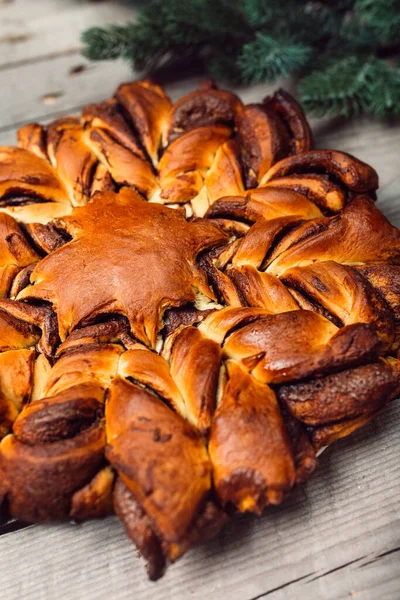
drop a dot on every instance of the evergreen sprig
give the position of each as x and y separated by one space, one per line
344 55
266 58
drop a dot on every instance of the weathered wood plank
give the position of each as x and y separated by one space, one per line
36 90
30 31
336 535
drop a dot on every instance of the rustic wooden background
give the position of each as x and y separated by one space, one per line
338 536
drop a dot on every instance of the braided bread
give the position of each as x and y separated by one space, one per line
193 302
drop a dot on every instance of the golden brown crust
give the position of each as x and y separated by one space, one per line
71 157
186 162
144 443
318 188
304 456
249 446
125 167
25 325
41 479
224 177
262 289
30 189
15 253
156 550
195 364
123 288
204 107
344 293
267 203
16 374
152 370
57 445
326 435
344 238
264 141
94 501
108 117
101 363
269 132
138 342
353 173
15 333
291 113
148 108
61 416
386 281
33 137
341 396
299 344
220 323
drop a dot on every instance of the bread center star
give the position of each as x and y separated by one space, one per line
125 256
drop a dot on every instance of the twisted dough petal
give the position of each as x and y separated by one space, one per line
193 301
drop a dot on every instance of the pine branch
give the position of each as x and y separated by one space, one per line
340 44
260 13
267 58
336 90
109 42
384 91
382 16
352 86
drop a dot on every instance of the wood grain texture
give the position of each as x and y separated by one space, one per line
338 536
34 30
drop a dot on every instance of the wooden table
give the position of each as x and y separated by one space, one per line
339 535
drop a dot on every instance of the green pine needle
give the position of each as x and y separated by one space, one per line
382 16
108 42
384 92
352 86
335 49
262 12
336 90
267 58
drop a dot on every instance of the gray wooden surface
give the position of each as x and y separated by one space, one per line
339 535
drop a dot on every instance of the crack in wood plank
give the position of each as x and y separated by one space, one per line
41 58
281 587
379 556
347 564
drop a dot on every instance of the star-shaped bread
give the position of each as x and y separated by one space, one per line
126 256
193 303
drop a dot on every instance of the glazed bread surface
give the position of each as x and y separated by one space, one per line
193 302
